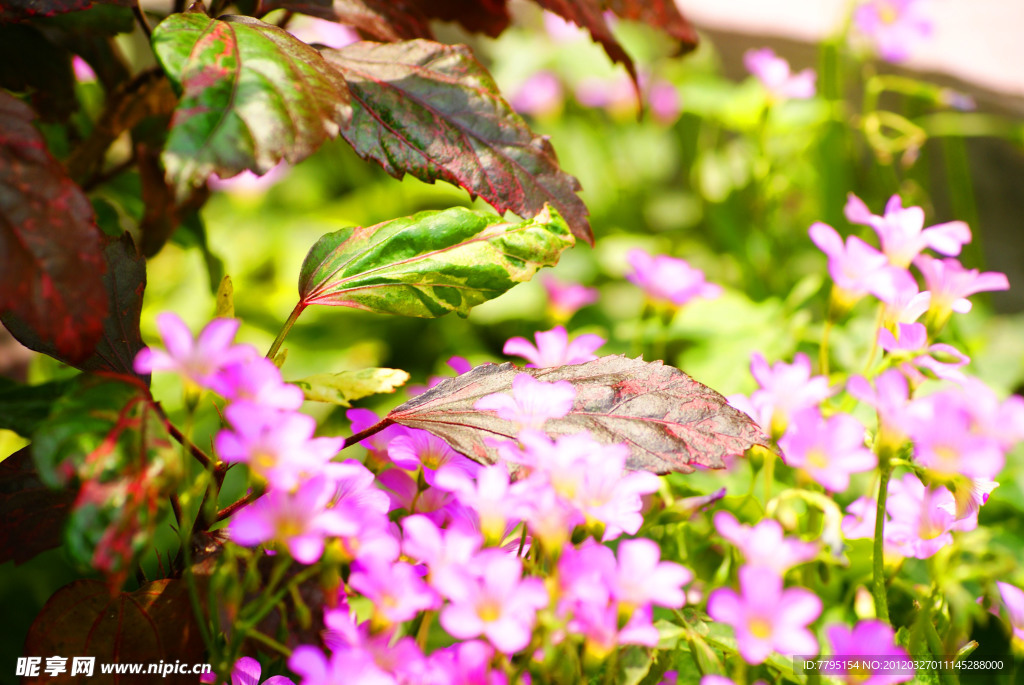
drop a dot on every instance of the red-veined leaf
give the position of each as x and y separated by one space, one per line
431 263
669 421
387 20
433 111
19 10
252 95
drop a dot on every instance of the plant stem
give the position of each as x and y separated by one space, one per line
202 457
823 350
249 498
276 346
931 636
362 435
269 642
878 561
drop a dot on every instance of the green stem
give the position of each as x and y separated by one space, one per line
931 636
269 642
276 346
878 589
823 350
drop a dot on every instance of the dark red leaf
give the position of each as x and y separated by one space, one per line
47 77
489 17
153 624
386 20
669 420
17 10
124 281
453 125
51 260
32 515
662 14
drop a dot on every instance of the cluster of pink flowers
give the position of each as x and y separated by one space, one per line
421 528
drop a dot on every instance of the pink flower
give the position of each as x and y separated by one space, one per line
600 626
891 399
499 604
611 497
766 617
950 284
764 544
405 493
396 590
330 33
902 232
641 578
198 360
860 519
922 518
249 183
532 402
875 641
664 100
565 299
377 444
894 27
667 280
774 74
277 446
83 72
1013 600
785 389
466 663
940 426
247 671
827 449
856 268
299 520
257 381
906 303
446 552
554 349
539 95
913 344
421 448
494 500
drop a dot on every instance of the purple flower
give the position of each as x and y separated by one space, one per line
609 496
603 629
902 233
894 27
532 402
906 303
1013 600
355 487
197 360
565 299
668 280
499 604
466 663
786 389
827 449
766 617
774 74
421 448
83 72
404 492
299 520
764 544
875 641
539 95
663 97
277 446
1003 421
856 268
396 590
377 444
554 349
950 284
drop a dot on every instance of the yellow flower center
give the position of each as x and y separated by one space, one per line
760 628
489 611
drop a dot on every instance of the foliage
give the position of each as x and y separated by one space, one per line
853 491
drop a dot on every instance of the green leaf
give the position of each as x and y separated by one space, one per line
24 407
633 664
433 111
431 263
342 388
252 95
107 436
